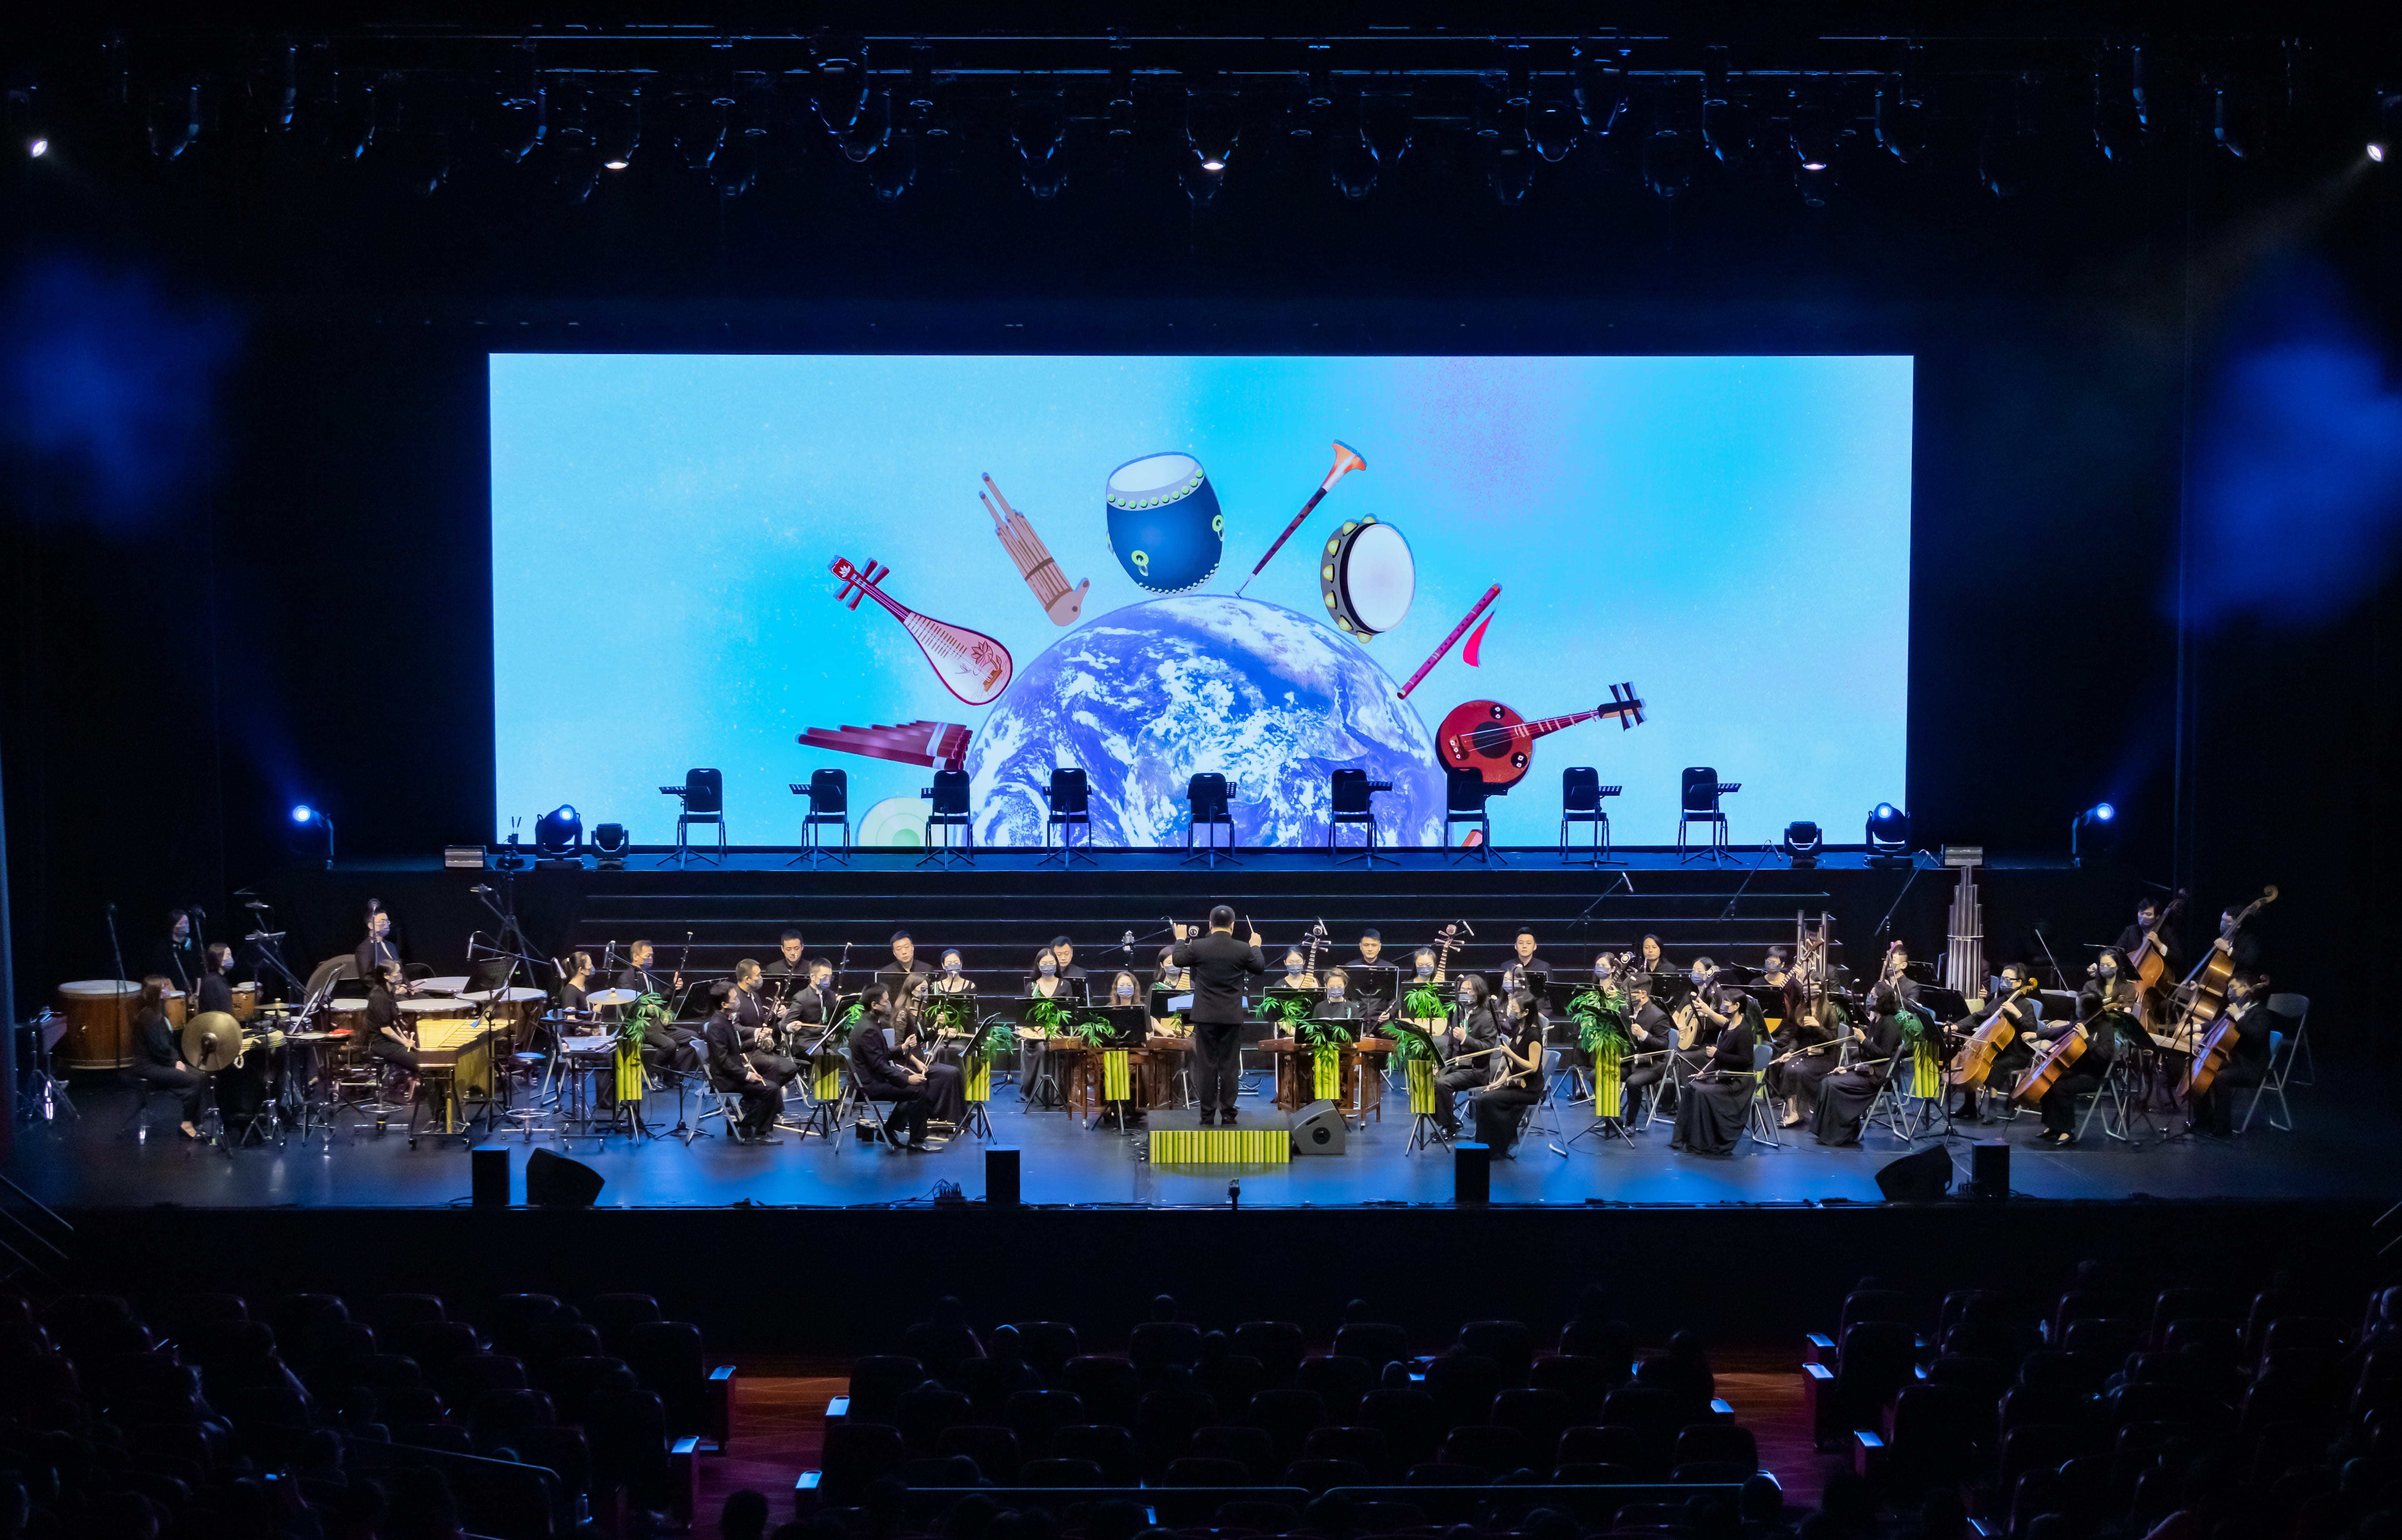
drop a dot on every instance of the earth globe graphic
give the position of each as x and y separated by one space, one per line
1145 697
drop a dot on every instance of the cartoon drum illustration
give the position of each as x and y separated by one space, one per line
1165 527
1367 577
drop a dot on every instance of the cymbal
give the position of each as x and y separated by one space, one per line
211 1042
611 996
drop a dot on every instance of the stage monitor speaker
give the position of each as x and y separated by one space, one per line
1989 1170
1001 1178
1919 1178
553 1181
488 1167
1317 1130
1471 1173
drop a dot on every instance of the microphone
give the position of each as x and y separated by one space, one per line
1466 928
481 889
471 946
196 912
1126 943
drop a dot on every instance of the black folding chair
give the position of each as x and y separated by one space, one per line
829 795
703 794
1353 794
1071 801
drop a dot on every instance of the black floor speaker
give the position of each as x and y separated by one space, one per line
1917 1178
488 1171
1317 1130
1989 1170
1471 1173
1001 1178
553 1181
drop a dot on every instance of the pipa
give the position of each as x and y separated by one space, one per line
970 665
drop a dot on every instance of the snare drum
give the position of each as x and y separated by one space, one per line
1367 577
245 1001
99 1023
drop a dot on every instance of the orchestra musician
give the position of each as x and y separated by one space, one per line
1474 1029
2106 1007
158 1057
2246 1065
1654 1034
1517 1082
905 966
733 1062
2024 1016
1806 1055
677 1045
1338 1004
1125 990
759 1025
1717 1103
812 1004
574 991
1649 958
177 957
1847 1093
390 1038
1296 971
1063 952
1042 985
1373 977
953 979
1526 971
886 1076
1221 965
788 963
377 947
2243 946
1166 977
2147 927
214 993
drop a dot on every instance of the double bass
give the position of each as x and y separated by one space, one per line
1974 1062
2149 966
2206 1005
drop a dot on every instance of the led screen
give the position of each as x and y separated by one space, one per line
1725 540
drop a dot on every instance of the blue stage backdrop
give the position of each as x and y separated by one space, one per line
1728 536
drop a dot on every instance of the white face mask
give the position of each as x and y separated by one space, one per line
1426 971
1334 992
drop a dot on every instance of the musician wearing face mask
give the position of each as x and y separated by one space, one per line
1717 1102
2106 1007
1807 1046
672 1045
1167 979
376 949
917 1045
1296 971
1845 1095
214 993
2149 926
1517 1080
885 1075
953 979
1475 1029
575 989
731 1053
1042 985
177 958
1338 1004
2246 1063
1652 1031
1063 952
760 1028
2022 1015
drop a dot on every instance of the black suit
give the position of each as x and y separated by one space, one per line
1221 966
672 1043
723 1036
894 977
1470 1031
370 953
884 1078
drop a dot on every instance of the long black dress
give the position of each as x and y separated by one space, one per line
1497 1109
1718 1099
1797 1079
1845 1095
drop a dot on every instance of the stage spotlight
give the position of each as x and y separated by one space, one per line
1888 835
1902 112
559 834
310 834
610 843
2376 151
1803 839
174 120
1212 128
1725 133
1387 120
1038 127
1352 164
40 147
1552 128
2092 833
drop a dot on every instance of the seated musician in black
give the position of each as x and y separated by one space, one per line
1374 979
1717 1103
1845 1095
919 1048
390 1037
726 1043
2104 1007
214 993
2247 1060
159 1056
760 1026
378 948
1079 984
1524 970
787 962
1338 1004
883 1076
905 967
575 989
1475 1029
1807 1046
672 1043
1653 1033
2022 1014
1520 1084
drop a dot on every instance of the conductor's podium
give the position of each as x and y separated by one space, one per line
1178 1138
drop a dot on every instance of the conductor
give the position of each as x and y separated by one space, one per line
1219 966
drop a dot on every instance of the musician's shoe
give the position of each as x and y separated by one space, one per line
1228 1117
1208 1120
1793 1119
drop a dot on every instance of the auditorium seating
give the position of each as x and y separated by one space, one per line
505 1417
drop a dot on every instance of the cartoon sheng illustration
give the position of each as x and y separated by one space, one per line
1367 577
970 665
1165 526
1033 558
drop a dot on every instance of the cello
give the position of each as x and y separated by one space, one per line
2206 1005
1974 1062
2149 966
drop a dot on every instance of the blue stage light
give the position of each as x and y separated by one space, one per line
310 836
302 813
1888 833
2093 831
2103 811
559 834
